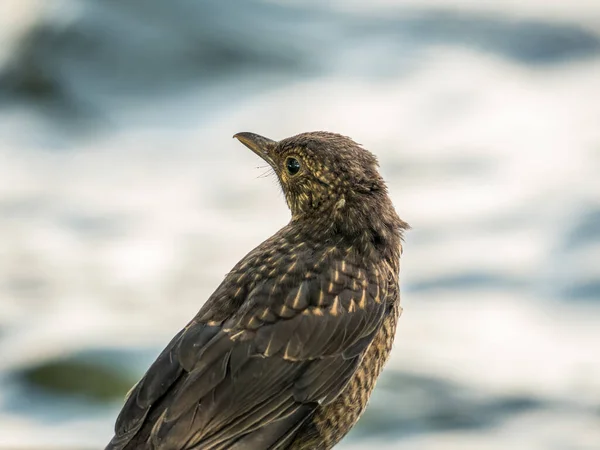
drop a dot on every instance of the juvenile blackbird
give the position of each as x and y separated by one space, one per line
286 352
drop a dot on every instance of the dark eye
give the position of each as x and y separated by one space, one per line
292 165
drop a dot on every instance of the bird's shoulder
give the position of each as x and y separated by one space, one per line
285 276
291 319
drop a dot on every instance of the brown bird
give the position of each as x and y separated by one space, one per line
286 352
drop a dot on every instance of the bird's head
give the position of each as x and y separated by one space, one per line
326 176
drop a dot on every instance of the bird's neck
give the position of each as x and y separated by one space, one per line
372 228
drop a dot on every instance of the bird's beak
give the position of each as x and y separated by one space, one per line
260 145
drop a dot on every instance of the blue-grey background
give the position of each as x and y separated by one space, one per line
124 200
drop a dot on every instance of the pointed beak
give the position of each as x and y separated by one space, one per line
260 145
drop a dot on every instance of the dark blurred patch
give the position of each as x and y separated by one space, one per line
90 384
70 377
404 404
585 230
584 290
531 42
32 74
97 376
142 48
466 280
583 234
36 74
134 47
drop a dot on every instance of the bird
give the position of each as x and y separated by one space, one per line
285 353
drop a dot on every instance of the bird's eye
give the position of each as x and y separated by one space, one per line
292 165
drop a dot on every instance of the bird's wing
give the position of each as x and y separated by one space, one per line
251 381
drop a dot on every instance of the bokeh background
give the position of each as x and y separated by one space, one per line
124 200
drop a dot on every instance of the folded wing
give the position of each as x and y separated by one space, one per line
252 380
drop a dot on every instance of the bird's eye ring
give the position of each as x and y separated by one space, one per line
292 165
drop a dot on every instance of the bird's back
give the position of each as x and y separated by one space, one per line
264 362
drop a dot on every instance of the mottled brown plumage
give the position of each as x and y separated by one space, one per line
286 352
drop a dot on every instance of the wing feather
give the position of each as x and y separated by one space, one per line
250 381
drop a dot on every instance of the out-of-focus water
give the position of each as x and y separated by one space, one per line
124 200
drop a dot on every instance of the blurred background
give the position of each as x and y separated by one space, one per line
124 200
